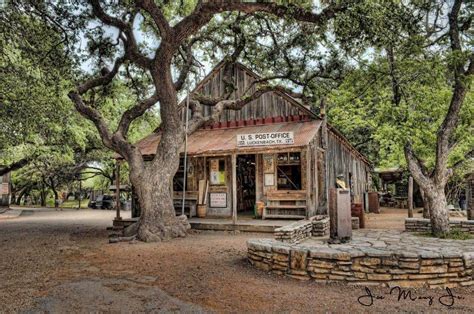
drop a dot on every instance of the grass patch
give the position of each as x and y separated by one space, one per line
453 234
74 204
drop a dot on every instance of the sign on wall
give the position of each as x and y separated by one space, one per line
269 179
218 200
263 139
268 164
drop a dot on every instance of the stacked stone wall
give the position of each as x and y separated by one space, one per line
317 226
363 267
424 225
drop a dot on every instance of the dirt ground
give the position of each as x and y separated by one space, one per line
390 218
62 262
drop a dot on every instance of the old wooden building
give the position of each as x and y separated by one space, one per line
274 151
5 190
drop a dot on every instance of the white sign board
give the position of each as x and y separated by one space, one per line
218 200
263 139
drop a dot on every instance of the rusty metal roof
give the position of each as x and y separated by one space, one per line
224 140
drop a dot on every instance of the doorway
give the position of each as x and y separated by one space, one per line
245 185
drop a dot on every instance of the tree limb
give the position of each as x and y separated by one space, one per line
157 15
459 92
135 112
14 166
131 48
204 11
219 105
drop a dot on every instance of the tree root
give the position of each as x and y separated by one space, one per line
149 232
122 239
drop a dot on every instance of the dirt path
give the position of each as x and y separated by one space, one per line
60 262
389 218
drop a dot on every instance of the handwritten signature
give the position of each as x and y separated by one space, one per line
447 299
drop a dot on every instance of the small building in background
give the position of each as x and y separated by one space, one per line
5 190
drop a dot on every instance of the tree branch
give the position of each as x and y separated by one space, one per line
460 88
219 105
204 11
14 166
151 8
416 167
135 112
131 47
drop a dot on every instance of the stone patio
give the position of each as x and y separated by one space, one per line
373 257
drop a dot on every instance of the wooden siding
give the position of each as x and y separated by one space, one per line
4 198
341 160
271 104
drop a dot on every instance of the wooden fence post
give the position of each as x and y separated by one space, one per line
410 197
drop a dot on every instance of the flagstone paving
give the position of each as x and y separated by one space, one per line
373 256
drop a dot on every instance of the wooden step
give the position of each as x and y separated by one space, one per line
286 206
285 216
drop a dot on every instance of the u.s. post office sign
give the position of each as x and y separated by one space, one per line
262 139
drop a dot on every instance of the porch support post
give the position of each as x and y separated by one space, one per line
117 189
308 185
234 188
410 197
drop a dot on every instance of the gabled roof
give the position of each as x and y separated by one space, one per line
196 144
198 88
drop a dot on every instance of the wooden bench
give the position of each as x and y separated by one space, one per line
286 205
189 207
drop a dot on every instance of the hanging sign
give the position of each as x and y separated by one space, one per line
263 139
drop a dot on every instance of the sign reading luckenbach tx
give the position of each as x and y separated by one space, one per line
262 139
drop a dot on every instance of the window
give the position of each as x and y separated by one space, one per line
217 171
289 171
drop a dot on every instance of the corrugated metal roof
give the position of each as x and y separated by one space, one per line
224 140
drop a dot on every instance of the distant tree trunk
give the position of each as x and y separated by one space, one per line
42 196
55 192
13 197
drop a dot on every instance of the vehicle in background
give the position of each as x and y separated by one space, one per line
102 202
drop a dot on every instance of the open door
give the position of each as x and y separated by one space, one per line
245 185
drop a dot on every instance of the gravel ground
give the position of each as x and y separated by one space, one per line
61 262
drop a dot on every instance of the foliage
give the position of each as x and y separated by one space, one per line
362 108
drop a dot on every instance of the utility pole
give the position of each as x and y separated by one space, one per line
80 191
410 197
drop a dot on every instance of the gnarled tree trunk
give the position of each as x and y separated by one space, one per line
426 206
434 182
438 210
152 183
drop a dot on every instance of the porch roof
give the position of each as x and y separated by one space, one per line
224 140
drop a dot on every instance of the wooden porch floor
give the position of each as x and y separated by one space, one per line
225 224
245 224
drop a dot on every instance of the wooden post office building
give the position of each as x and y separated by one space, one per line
274 150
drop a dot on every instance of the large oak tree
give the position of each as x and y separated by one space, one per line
175 34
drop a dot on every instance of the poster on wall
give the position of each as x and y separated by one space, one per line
217 172
269 179
268 164
218 200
